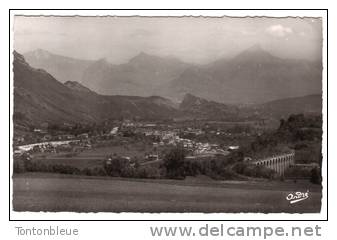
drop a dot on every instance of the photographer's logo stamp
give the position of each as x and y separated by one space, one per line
297 197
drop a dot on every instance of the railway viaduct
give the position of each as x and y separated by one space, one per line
278 163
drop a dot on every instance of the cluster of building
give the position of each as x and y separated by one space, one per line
53 146
194 148
159 133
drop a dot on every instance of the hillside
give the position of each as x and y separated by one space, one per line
282 108
76 86
200 108
39 97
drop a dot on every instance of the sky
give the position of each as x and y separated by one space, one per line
192 39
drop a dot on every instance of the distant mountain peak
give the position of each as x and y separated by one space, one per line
101 64
103 61
190 96
40 53
143 54
255 48
143 57
40 50
255 53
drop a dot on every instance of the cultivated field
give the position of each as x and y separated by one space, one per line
92 158
52 192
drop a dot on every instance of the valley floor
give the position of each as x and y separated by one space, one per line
53 192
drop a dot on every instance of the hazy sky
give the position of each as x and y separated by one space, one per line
198 40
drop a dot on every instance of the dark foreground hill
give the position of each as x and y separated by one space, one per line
39 97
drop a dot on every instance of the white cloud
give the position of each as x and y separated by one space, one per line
279 30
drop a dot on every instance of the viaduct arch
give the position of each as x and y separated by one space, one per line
278 163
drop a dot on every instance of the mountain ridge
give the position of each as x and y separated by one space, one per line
252 76
39 97
199 108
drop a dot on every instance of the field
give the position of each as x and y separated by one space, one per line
54 192
91 158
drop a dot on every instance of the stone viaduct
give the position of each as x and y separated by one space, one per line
278 163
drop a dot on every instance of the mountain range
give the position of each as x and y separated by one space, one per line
253 76
39 97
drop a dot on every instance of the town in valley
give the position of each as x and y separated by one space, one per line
159 132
